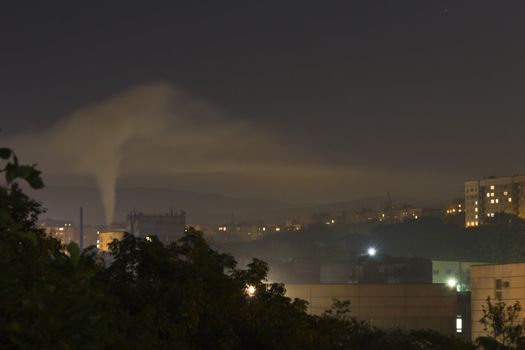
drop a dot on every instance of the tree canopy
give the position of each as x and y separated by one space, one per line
179 296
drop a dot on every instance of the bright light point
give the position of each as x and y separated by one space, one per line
250 290
148 238
371 251
452 282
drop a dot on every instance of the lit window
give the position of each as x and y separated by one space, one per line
505 193
492 187
497 200
488 195
459 205
476 209
459 324
492 201
492 194
510 199
476 202
476 216
492 214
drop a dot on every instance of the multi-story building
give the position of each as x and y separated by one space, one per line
62 230
484 198
504 282
167 228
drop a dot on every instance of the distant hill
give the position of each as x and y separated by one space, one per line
63 203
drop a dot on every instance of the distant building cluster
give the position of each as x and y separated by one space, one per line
167 228
64 231
487 197
455 207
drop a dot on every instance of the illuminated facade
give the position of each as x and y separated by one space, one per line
499 282
106 237
484 198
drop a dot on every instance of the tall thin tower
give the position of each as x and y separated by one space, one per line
81 229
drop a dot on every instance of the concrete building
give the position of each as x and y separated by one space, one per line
168 227
505 282
484 198
407 306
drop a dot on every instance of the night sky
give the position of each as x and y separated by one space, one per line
304 101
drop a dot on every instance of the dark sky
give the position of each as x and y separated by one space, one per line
430 89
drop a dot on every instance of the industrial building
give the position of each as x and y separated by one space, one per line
167 228
106 237
484 198
407 306
504 282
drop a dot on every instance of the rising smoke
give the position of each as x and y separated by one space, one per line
152 129
156 130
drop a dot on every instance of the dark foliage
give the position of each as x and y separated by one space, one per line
181 296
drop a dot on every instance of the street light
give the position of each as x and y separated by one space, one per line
452 282
250 290
371 251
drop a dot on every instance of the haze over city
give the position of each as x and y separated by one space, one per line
345 101
262 175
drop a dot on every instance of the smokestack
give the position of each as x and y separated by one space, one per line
81 230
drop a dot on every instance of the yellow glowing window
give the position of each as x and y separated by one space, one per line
492 201
505 193
497 200
476 209
492 187
510 199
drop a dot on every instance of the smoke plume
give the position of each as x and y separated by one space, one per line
150 129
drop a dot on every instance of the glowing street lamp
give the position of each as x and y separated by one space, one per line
371 251
250 290
452 283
